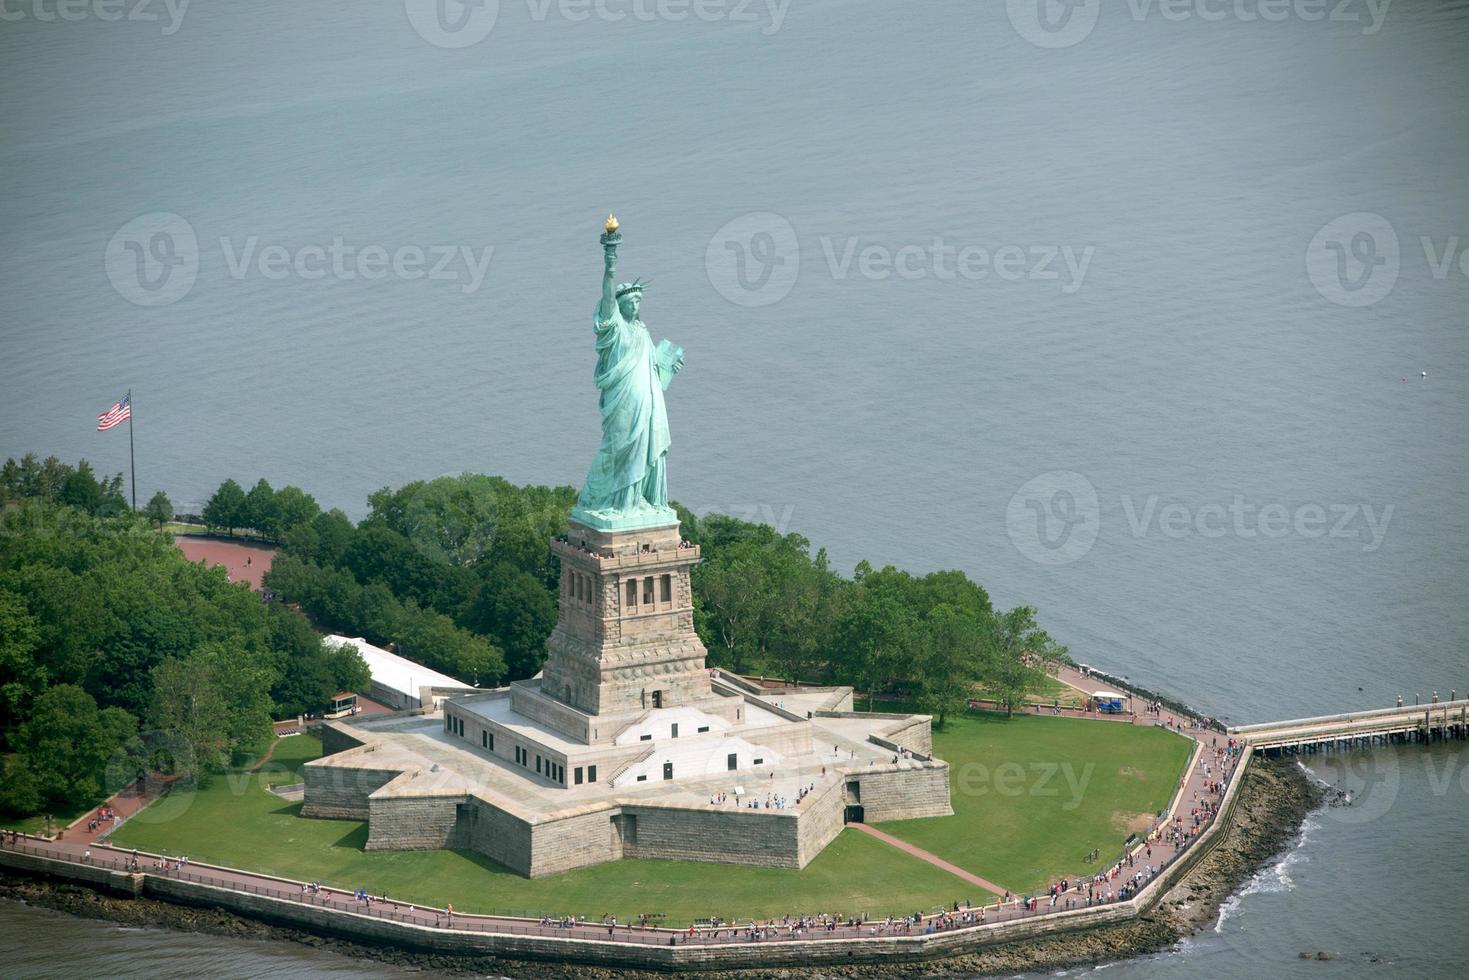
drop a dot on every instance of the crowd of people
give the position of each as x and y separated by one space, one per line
105 815
1120 881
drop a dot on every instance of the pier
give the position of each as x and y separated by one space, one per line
1359 729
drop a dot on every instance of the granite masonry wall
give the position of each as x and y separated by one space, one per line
919 789
787 740
340 793
574 842
759 838
416 823
916 736
501 836
822 818
527 699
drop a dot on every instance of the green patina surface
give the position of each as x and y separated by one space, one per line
627 485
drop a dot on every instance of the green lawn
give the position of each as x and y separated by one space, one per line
236 821
1033 794
36 823
1050 688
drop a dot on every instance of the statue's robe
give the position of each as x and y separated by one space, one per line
629 472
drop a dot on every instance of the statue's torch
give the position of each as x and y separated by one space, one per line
610 238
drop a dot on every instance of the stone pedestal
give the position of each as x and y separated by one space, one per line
625 639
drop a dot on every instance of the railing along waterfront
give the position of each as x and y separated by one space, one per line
1422 722
784 929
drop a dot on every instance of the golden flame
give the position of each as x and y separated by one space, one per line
611 223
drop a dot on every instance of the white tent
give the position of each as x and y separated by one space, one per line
397 681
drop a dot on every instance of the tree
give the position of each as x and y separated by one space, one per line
432 639
1010 645
22 675
53 481
65 744
479 662
874 639
159 509
380 554
334 536
32 478
293 508
20 791
259 510
514 608
805 596
311 671
97 610
188 706
734 596
948 662
99 497
349 671
226 508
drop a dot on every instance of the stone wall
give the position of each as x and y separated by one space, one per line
915 732
625 952
340 793
416 823
914 789
759 838
526 698
915 736
390 696
822 818
574 842
501 836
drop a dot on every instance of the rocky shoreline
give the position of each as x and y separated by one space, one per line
1272 803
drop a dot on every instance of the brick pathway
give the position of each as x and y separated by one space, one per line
932 859
230 554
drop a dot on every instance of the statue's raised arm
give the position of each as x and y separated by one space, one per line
610 240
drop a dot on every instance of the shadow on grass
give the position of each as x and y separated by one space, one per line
354 839
488 864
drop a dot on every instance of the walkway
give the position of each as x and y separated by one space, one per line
1199 791
932 859
1439 718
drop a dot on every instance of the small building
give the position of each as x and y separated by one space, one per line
399 682
344 704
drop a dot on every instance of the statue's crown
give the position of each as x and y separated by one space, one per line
636 286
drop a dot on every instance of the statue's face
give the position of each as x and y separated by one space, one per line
629 305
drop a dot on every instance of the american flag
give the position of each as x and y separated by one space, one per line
116 415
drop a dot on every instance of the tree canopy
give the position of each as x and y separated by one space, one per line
115 650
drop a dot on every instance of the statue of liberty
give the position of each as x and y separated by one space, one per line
627 486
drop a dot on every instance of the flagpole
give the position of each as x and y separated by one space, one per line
132 460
